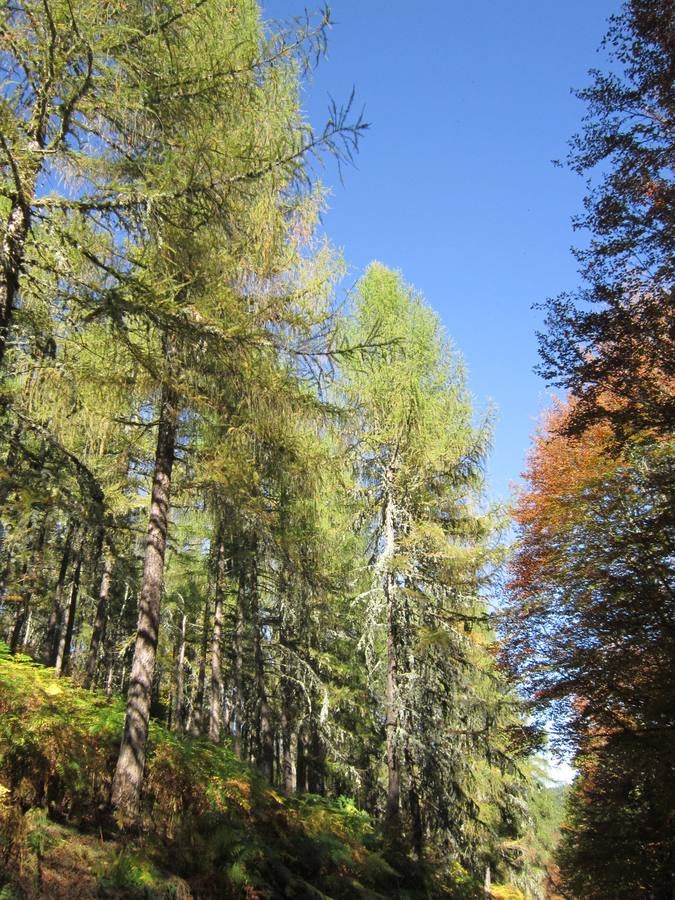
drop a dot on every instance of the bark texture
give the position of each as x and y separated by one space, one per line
12 252
128 779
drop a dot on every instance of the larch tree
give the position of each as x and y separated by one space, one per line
218 273
420 463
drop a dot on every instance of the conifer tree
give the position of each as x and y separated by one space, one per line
420 463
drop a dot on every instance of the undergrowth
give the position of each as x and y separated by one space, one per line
211 826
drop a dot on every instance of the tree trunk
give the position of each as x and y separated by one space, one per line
11 263
5 489
287 762
180 677
303 759
100 621
216 714
19 622
198 704
392 821
287 711
112 645
63 654
317 763
264 738
128 779
26 634
238 661
55 625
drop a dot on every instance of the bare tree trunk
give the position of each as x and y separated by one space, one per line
392 821
265 740
287 712
180 677
216 713
317 763
303 760
26 634
487 884
63 654
100 621
109 679
287 762
19 623
128 779
112 645
5 489
198 704
11 263
55 625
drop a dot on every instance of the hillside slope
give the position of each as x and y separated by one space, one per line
211 826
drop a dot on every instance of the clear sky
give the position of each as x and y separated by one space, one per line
454 184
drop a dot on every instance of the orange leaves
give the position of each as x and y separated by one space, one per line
563 473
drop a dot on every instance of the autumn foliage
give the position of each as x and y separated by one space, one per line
592 633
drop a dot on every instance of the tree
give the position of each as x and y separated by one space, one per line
222 264
420 459
615 338
592 634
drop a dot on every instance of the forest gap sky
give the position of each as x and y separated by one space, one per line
469 104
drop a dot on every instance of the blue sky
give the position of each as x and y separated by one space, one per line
454 184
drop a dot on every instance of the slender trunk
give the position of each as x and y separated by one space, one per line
316 769
109 679
238 662
5 489
392 820
63 654
198 705
303 757
216 714
180 677
12 251
265 739
487 884
26 634
55 624
128 779
292 781
112 644
100 621
287 711
19 622
287 764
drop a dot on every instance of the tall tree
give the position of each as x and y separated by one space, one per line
420 461
592 633
223 265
